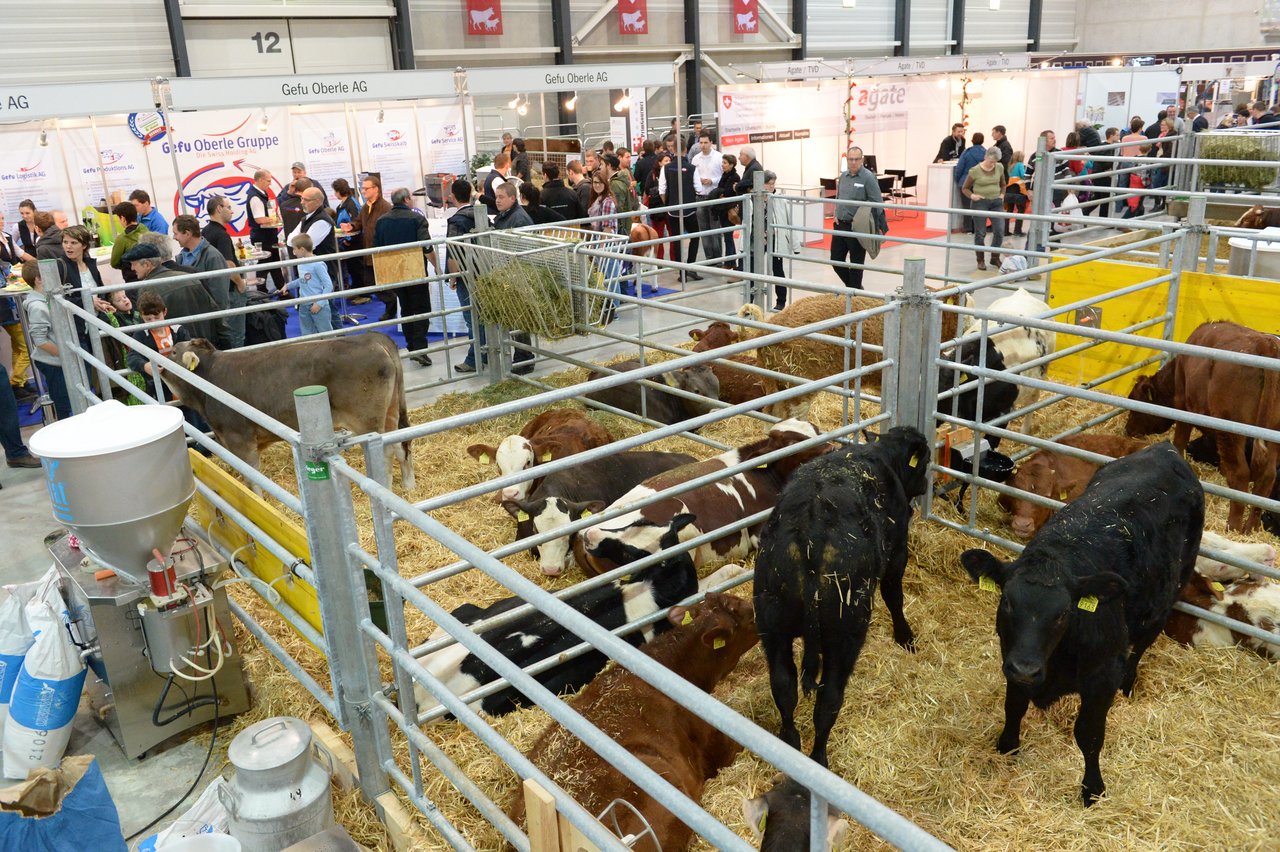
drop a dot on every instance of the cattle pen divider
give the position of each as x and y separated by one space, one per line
380 714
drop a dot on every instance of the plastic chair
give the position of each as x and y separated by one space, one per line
906 194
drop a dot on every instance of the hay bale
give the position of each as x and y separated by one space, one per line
523 295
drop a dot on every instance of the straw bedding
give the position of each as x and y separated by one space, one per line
1190 760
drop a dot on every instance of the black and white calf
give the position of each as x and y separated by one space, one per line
840 527
535 637
564 497
1092 591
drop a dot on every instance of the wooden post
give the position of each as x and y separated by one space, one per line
544 833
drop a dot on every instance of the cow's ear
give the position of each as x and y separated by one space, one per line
579 511
1104 585
695 333
190 360
680 615
517 509
870 437
980 564
755 812
545 450
482 453
837 828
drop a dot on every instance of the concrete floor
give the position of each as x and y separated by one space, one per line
142 789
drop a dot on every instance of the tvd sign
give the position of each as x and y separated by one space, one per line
746 16
633 17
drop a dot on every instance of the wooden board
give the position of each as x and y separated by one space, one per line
544 825
392 267
291 537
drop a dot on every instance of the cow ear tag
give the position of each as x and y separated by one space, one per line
190 360
688 619
484 458
586 513
987 584
717 644
763 817
915 460
522 516
1088 603
1062 496
1216 586
546 457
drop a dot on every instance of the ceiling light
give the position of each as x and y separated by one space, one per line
262 125
572 102
514 102
1117 61
382 116
624 101
849 4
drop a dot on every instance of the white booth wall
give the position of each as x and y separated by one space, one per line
1111 96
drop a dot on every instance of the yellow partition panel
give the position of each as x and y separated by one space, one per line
1251 302
1092 280
297 593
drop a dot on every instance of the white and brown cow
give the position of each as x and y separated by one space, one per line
551 435
715 506
1254 601
363 374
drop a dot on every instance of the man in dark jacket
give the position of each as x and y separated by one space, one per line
679 185
365 224
463 221
644 163
182 298
750 165
399 226
558 197
1000 141
952 146
510 213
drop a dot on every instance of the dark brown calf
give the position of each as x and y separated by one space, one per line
551 435
1247 395
736 385
685 750
1058 476
1259 217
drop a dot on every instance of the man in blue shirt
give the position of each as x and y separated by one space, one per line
972 155
148 215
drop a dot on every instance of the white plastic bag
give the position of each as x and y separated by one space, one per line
45 698
15 641
206 816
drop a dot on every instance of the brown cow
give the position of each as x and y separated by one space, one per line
363 373
1253 601
1259 217
679 745
1058 476
1247 395
551 435
736 385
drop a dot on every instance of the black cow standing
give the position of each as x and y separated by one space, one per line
1091 591
839 528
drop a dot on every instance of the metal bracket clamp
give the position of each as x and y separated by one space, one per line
318 452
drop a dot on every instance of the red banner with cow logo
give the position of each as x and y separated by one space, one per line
484 17
746 16
633 17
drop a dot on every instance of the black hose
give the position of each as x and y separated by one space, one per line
183 709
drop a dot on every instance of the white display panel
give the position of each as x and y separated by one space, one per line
239 48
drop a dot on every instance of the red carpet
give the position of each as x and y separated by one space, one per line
910 227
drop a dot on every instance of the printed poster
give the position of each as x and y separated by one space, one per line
218 151
120 159
30 170
633 17
443 144
484 17
746 16
391 147
639 118
326 149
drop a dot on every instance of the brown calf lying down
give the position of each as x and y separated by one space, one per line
707 643
736 386
1259 217
1058 476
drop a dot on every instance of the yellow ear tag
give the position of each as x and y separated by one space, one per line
915 461
688 618
1216 586
484 458
717 644
522 516
987 584
546 457
764 816
1088 603
1062 496
587 513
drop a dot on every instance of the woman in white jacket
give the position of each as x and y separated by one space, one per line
782 240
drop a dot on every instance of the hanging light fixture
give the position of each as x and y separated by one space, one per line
624 101
262 125
44 139
514 102
523 109
572 102
849 4
382 116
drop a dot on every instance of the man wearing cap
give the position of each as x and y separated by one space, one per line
181 298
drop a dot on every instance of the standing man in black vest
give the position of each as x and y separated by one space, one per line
264 225
399 226
318 224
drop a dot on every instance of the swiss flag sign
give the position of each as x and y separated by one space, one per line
633 17
746 16
484 17
727 100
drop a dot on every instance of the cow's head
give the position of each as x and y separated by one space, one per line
786 433
196 356
513 455
696 379
1254 217
536 517
780 818
1037 475
713 336
1147 389
725 625
607 548
998 397
1034 615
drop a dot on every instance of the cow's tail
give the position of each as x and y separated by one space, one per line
811 658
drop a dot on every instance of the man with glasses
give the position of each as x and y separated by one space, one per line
366 224
218 234
857 183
